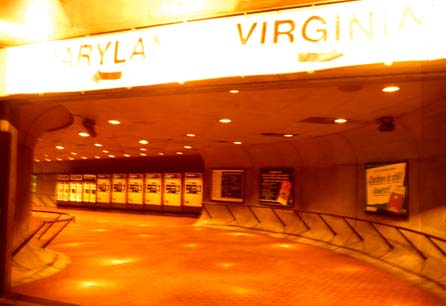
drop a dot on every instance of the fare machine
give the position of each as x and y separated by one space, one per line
119 182
76 188
153 189
172 189
193 189
63 182
135 191
103 188
89 190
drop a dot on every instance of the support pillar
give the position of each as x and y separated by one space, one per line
8 155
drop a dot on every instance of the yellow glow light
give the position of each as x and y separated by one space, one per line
84 134
47 159
237 142
111 156
88 284
191 245
105 151
225 120
143 142
288 135
143 149
59 148
160 154
59 159
190 135
39 20
143 154
180 153
390 89
187 147
73 153
97 157
340 120
226 265
234 91
126 155
114 122
71 158
37 161
97 145
84 157
118 261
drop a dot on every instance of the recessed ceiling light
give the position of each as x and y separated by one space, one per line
180 153
234 91
391 89
143 154
59 148
187 147
237 142
111 156
84 134
73 153
340 120
71 158
288 135
47 159
225 120
143 149
160 154
97 145
190 135
59 159
37 160
126 155
143 142
114 122
84 157
106 151
97 157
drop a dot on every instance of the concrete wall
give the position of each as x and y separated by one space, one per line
329 170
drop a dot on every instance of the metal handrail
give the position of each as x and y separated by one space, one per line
434 240
49 224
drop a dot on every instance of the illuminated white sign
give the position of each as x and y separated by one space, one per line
285 41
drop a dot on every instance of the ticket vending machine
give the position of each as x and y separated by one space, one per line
89 184
135 191
103 188
172 189
153 189
119 182
66 190
60 187
76 188
193 189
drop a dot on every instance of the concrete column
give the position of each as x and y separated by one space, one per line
8 161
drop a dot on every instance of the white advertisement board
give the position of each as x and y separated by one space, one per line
172 189
135 190
103 188
193 189
119 190
153 188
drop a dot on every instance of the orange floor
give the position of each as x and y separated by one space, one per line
129 259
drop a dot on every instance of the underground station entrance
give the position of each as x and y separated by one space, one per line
290 155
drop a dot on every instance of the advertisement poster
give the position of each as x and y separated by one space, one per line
103 189
119 188
386 189
135 192
87 195
276 186
193 191
60 187
153 188
228 185
172 189
76 188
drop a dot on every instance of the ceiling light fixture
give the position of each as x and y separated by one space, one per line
114 122
187 147
97 145
237 142
234 91
111 156
143 142
106 151
143 154
37 160
97 157
126 155
180 153
288 135
59 148
70 158
160 154
84 134
143 149
73 153
84 157
225 120
340 120
59 159
390 89
47 159
190 135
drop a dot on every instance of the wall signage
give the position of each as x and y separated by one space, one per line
276 186
386 189
283 41
228 185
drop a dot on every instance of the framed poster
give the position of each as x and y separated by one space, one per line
119 189
386 189
135 191
228 185
103 188
276 185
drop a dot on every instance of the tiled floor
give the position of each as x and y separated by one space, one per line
129 259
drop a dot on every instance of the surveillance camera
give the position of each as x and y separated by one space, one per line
386 124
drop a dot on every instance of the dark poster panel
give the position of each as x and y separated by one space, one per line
386 189
228 185
276 185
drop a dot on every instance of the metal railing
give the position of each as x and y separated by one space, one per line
48 230
301 218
